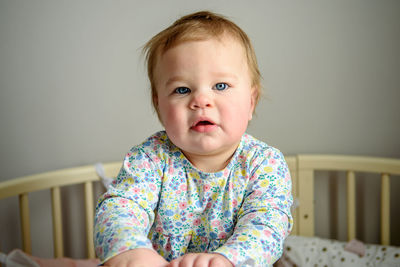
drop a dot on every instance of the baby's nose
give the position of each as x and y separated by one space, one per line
200 100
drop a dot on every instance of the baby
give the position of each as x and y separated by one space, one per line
202 193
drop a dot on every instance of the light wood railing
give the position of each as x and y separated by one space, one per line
304 188
54 180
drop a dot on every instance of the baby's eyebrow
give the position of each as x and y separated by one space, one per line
218 76
174 79
225 75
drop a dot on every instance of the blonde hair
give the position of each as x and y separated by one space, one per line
198 26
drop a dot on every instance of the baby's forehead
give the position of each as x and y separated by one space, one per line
202 36
222 38
184 50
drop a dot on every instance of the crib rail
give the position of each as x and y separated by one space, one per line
304 189
54 180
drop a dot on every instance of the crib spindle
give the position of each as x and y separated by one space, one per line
25 223
385 209
89 212
306 199
57 222
351 205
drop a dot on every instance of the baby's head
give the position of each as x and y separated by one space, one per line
199 26
205 85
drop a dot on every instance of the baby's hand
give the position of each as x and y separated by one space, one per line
201 260
140 257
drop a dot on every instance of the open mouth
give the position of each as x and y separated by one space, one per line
203 126
204 123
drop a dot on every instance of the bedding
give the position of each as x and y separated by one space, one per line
314 251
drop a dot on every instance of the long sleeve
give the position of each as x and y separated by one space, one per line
125 213
264 219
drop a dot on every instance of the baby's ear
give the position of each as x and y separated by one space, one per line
254 100
154 99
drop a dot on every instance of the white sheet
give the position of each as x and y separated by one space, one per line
313 251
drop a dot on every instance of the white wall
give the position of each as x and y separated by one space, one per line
73 88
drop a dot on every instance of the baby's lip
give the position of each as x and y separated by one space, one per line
203 125
203 121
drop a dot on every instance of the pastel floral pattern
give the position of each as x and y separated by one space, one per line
160 200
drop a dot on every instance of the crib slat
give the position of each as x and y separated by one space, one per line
351 205
385 209
25 223
306 199
57 222
89 212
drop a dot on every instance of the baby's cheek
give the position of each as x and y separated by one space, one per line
238 123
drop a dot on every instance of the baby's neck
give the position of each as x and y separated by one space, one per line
211 162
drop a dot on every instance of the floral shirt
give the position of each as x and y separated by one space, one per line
161 201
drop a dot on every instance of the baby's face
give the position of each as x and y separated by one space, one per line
204 95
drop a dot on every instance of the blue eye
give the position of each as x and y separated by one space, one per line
182 90
221 86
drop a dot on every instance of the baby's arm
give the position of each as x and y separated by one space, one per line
264 219
125 212
140 257
201 260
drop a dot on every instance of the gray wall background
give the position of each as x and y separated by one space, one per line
73 87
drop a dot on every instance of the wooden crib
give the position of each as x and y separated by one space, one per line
302 169
53 181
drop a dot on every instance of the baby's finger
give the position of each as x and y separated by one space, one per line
202 260
217 262
184 261
175 263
